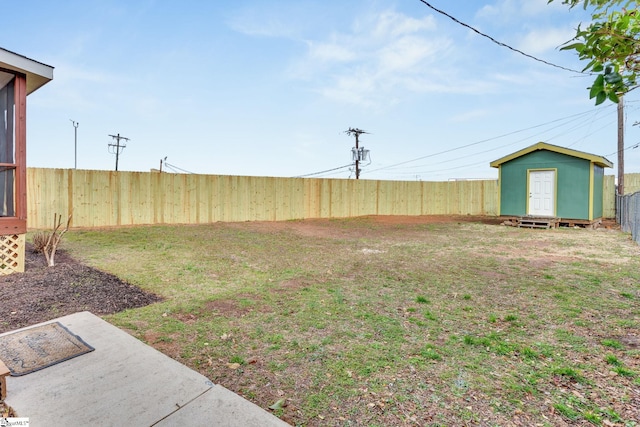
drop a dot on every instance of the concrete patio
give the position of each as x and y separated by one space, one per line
125 382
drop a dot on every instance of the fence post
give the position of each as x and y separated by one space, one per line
633 217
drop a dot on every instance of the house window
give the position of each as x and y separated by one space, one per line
13 206
7 145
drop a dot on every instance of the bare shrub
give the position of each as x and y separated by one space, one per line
47 241
40 241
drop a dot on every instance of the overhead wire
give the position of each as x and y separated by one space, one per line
594 116
324 171
575 127
574 118
499 43
589 132
634 145
334 170
634 108
628 147
176 169
502 146
484 140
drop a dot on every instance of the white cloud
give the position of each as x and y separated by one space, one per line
469 116
262 27
535 27
262 22
513 16
387 56
538 7
359 88
504 9
542 40
330 52
407 53
384 56
507 10
390 23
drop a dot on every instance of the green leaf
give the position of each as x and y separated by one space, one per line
598 86
613 78
576 46
609 43
278 405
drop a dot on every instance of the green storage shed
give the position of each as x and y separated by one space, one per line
549 181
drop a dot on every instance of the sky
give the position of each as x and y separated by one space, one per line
269 88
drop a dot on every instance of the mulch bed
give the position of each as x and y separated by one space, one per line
43 293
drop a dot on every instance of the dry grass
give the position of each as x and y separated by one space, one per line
409 322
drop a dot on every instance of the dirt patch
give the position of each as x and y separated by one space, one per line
435 219
227 308
348 228
43 293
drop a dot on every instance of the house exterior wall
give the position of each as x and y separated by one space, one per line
572 185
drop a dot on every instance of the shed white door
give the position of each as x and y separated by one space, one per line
542 185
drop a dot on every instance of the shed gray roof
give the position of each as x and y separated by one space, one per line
38 74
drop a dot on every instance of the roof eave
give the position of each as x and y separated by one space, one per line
38 74
598 160
605 163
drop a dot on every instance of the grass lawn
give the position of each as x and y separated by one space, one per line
398 322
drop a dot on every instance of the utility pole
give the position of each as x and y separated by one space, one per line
117 148
75 143
358 153
621 146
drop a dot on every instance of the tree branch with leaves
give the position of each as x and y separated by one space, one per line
611 45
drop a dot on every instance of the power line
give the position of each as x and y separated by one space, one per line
483 141
576 127
432 171
499 43
501 146
175 168
632 146
325 171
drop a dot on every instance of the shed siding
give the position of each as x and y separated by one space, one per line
598 186
573 187
513 185
572 196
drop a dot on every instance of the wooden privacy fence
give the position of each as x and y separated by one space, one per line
108 198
